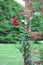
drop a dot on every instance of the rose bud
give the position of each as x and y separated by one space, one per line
22 14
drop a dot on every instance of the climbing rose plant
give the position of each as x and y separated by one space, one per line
27 40
25 43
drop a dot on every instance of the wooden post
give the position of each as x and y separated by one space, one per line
28 6
28 9
28 13
36 0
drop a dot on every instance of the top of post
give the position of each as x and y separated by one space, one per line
36 0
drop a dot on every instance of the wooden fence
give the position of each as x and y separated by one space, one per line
36 62
36 35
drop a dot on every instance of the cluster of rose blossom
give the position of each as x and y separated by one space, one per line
15 20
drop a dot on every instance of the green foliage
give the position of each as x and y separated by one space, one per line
10 33
41 55
28 40
37 22
26 46
37 4
8 10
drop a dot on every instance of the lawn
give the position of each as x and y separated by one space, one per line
37 48
10 55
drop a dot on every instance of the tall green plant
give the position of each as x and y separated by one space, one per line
8 10
28 40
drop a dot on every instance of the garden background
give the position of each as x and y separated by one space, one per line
10 35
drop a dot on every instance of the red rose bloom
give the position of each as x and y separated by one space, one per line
15 22
22 14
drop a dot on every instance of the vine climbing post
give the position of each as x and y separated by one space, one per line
28 11
28 17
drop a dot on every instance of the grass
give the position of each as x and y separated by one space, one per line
10 55
35 48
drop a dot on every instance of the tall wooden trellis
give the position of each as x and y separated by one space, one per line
36 35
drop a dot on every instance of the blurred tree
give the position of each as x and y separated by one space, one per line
37 21
9 9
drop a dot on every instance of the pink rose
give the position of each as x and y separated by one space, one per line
22 14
